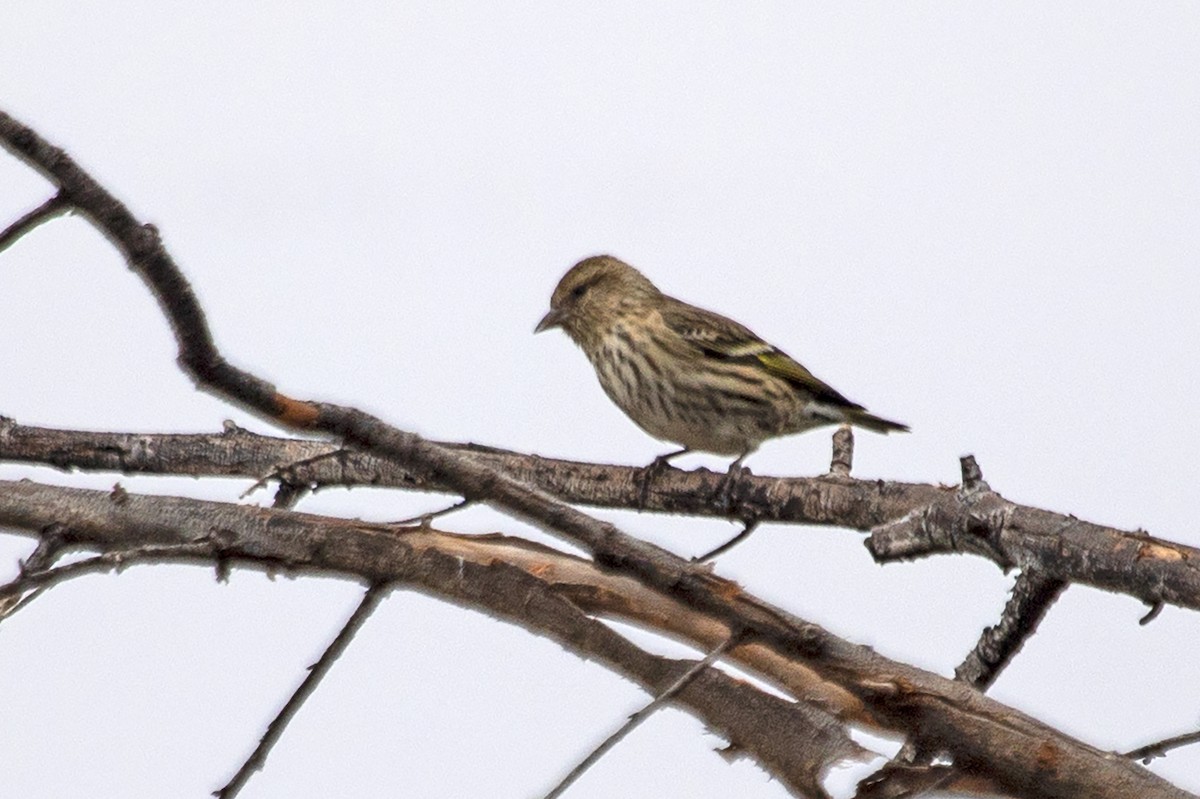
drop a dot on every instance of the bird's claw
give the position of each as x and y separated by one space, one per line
724 494
651 473
648 475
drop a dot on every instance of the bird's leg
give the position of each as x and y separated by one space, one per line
725 489
651 472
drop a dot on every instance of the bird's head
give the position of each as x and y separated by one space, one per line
593 294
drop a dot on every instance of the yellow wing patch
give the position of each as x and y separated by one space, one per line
784 366
779 364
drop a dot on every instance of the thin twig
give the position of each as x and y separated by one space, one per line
1152 613
425 518
371 599
14 605
49 547
55 206
280 472
106 561
730 544
1160 748
637 718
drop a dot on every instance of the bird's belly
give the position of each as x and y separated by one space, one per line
682 408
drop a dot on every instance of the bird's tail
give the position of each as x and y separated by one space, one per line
873 422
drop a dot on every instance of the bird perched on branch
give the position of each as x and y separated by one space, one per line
687 375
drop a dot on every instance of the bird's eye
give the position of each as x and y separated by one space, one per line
580 290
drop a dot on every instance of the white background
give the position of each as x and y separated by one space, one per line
977 219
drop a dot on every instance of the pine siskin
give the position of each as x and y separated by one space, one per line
687 375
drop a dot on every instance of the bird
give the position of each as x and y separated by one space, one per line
687 375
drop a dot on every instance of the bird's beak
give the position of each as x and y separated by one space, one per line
551 320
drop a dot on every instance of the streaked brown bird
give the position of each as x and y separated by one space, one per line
687 375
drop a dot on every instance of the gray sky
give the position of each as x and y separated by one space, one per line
979 220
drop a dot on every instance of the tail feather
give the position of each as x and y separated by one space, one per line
874 423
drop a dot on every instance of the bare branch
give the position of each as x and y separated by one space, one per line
1160 748
38 581
981 522
892 693
525 583
1023 756
858 504
54 207
635 720
49 547
371 599
466 475
1032 596
290 472
721 549
1099 556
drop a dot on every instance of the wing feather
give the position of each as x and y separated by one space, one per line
721 338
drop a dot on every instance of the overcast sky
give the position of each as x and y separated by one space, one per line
980 220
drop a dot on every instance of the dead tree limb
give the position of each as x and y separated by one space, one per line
985 739
1018 754
548 592
1166 571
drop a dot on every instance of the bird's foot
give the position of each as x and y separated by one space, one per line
724 495
651 473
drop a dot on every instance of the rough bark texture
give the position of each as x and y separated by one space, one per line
986 743
1032 596
986 739
909 520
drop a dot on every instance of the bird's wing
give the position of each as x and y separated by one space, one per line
721 338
